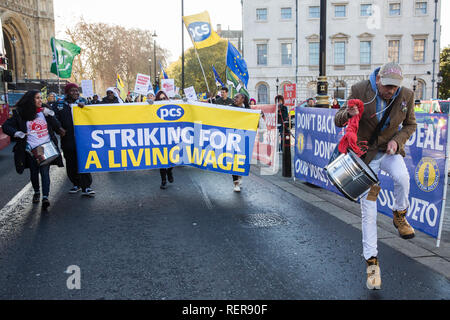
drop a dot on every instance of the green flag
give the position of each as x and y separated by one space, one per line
234 85
64 52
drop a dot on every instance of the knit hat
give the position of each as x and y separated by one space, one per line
69 86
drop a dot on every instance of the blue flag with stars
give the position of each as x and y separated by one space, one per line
237 64
163 71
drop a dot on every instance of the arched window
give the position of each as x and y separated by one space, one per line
421 90
263 94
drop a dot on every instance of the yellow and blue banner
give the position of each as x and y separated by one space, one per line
200 30
163 135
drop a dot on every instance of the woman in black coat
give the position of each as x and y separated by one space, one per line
31 125
166 174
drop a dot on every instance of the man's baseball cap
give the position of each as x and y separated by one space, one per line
391 75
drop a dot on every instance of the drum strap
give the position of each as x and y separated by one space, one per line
380 125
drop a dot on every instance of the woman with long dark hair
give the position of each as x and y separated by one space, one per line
166 174
33 125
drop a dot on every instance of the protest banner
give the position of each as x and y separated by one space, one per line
143 84
290 94
139 137
168 86
87 88
190 93
426 151
266 144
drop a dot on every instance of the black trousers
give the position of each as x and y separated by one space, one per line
235 178
44 171
82 180
164 173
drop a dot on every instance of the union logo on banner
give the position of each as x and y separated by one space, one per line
427 174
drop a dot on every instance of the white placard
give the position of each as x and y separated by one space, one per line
190 93
88 88
143 84
168 86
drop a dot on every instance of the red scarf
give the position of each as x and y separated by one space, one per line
350 139
39 109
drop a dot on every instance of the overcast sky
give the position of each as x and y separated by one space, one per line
164 17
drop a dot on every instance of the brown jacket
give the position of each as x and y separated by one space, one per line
401 114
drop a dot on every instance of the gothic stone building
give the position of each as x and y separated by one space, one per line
27 27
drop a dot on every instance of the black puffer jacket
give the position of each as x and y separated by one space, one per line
16 123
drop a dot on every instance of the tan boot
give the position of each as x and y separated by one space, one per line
373 274
400 222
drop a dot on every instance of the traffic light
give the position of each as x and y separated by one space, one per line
7 76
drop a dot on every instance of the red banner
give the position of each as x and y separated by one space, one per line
290 94
266 143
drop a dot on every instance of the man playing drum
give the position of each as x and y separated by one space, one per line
386 125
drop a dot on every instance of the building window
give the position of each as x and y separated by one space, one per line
394 51
286 13
286 53
314 12
261 14
263 94
365 52
421 90
262 54
421 8
314 48
394 9
339 53
340 11
419 50
366 10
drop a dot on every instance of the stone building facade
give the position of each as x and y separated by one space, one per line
361 36
28 26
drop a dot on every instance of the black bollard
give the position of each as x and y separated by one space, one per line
287 162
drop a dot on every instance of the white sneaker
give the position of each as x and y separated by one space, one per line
237 188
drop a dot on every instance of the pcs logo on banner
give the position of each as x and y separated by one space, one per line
170 113
199 31
427 174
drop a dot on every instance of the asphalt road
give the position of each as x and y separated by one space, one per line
196 240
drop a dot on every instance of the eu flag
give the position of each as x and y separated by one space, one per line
237 64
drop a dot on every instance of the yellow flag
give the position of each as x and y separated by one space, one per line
200 30
120 85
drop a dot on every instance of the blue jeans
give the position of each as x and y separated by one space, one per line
35 169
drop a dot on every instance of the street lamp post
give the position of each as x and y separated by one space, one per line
322 84
154 52
278 84
150 67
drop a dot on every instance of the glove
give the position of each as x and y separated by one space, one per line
149 101
47 112
19 134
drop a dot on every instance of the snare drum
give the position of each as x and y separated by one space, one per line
351 176
45 153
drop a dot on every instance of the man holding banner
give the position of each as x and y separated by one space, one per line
387 107
81 181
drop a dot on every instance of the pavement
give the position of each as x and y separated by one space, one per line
422 248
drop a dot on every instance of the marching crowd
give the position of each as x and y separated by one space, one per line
35 124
